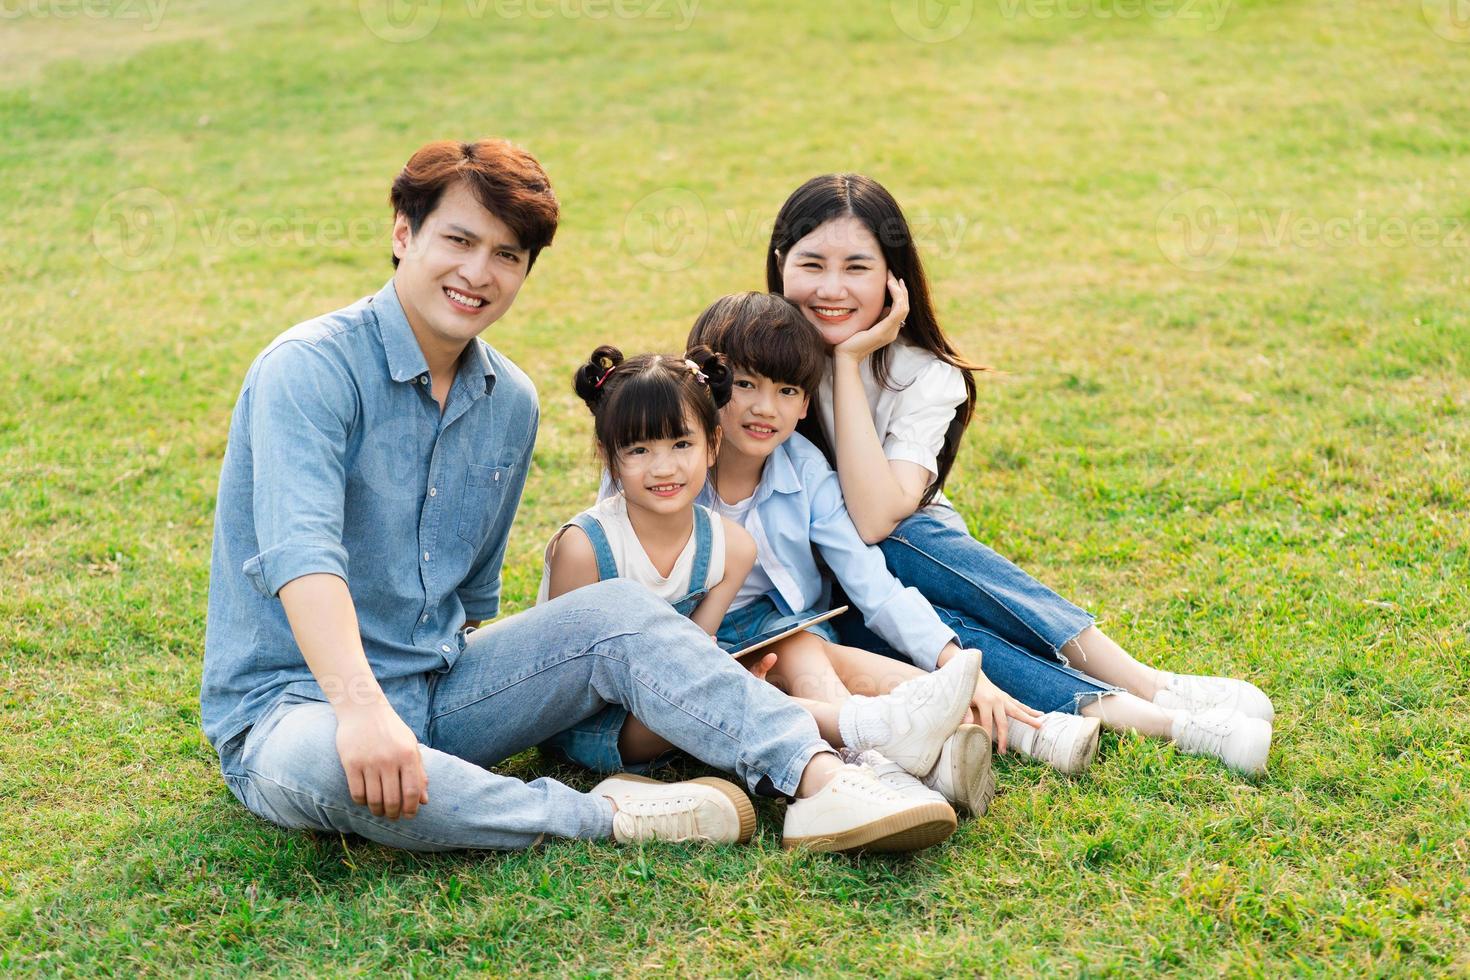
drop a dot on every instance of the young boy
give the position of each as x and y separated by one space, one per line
780 487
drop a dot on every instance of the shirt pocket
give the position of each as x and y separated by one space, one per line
484 487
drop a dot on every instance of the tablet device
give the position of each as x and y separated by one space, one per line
767 637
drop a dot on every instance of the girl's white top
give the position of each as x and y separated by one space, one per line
633 562
911 413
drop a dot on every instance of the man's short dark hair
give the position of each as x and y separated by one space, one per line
506 179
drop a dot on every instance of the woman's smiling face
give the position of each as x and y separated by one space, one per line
838 277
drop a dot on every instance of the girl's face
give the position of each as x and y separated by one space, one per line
664 476
838 277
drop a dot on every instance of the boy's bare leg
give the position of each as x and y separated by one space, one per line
638 743
864 672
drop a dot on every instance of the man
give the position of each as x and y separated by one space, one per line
375 462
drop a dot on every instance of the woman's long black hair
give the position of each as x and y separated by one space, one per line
830 196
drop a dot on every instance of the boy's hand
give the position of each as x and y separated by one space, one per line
760 668
380 755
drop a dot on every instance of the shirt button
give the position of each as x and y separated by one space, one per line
426 556
424 618
433 491
497 476
423 379
445 648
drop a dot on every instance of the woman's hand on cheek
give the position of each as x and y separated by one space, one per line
884 332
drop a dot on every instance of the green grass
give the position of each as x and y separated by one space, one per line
1253 461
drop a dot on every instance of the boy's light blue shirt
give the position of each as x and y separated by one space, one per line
339 461
798 504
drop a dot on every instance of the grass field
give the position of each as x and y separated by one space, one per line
1219 252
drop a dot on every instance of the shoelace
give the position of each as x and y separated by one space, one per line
670 819
1205 734
872 786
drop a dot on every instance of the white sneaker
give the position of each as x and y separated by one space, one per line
1197 694
1240 742
918 715
963 775
701 809
1067 743
890 774
856 812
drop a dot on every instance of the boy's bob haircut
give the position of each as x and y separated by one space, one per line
504 178
765 334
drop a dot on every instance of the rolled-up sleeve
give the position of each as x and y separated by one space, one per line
301 407
922 413
901 616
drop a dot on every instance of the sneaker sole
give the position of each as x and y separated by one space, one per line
972 756
922 766
912 830
1085 753
744 809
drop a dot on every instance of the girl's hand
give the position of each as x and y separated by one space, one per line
882 333
992 707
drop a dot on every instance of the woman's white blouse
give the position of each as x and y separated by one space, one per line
911 413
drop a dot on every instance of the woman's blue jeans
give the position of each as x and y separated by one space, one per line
1018 624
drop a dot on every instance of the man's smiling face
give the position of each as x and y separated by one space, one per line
459 272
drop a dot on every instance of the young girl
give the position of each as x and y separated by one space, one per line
657 431
892 408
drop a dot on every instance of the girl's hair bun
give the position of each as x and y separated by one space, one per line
590 378
716 370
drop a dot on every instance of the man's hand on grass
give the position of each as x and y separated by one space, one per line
385 771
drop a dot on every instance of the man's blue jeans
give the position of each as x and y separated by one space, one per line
1018 624
519 681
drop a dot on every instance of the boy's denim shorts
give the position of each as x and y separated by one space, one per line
762 616
593 743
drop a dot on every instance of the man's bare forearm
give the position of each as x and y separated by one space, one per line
324 622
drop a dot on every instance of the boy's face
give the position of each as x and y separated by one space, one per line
761 414
459 272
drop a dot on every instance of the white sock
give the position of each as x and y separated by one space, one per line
861 725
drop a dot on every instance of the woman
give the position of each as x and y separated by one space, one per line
891 412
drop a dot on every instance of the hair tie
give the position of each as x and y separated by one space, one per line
607 364
699 375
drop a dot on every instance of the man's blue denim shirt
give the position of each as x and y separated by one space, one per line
339 461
